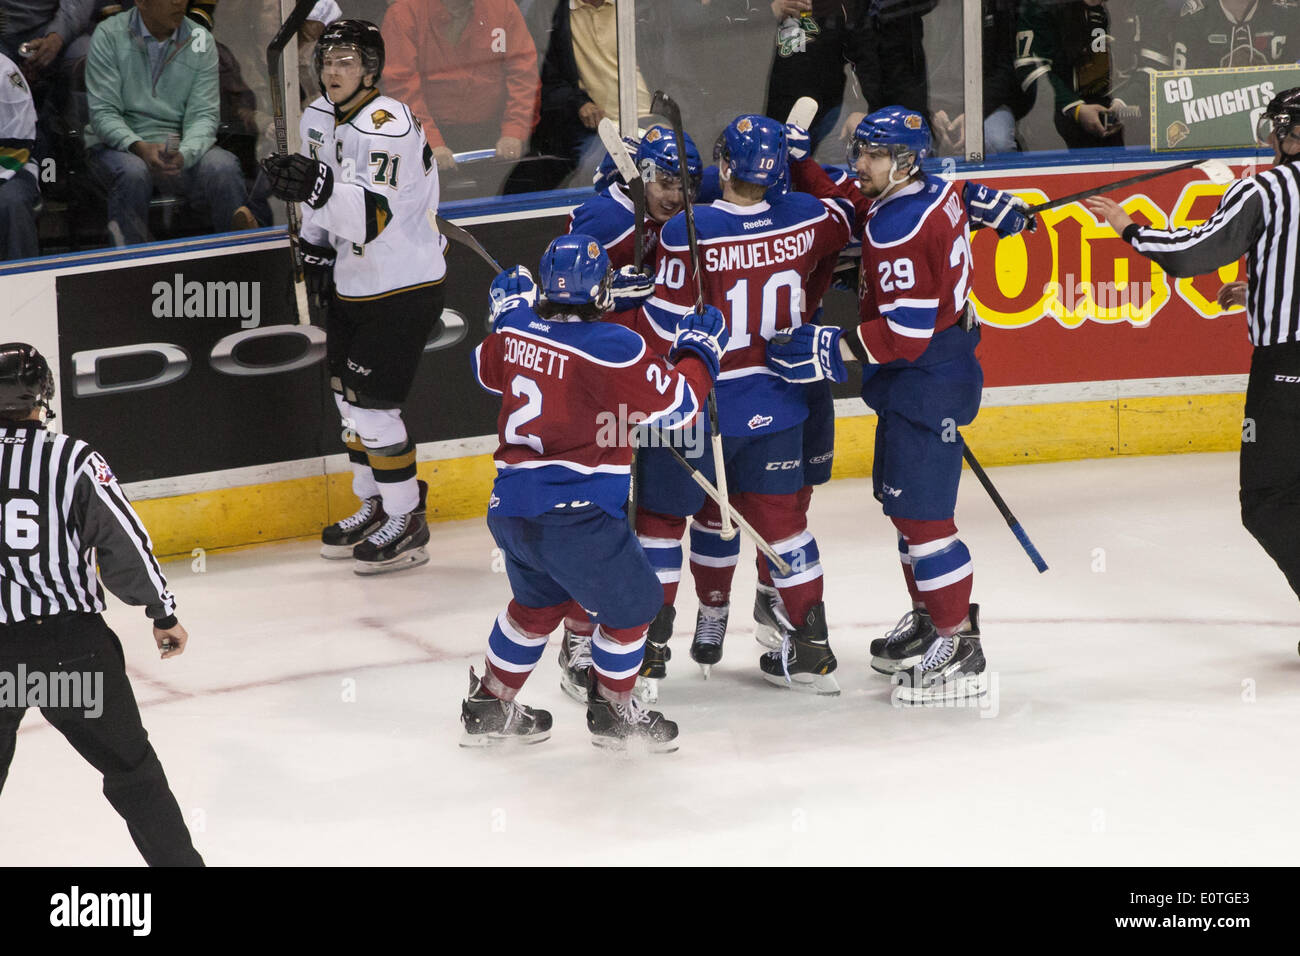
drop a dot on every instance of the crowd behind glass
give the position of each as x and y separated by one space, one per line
138 120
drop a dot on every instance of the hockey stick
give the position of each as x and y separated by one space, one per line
617 149
802 113
1001 505
1218 172
719 497
457 234
275 80
663 105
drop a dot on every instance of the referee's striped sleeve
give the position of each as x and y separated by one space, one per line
1223 238
109 524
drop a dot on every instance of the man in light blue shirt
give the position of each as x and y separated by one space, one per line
151 79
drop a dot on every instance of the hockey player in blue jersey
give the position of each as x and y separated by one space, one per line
917 343
760 256
557 509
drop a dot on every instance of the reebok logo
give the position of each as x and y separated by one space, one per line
759 421
539 326
757 223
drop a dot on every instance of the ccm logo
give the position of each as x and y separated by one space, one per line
224 358
1286 378
783 465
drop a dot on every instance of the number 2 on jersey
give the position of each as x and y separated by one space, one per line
521 386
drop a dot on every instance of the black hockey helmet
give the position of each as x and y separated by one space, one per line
1281 116
363 35
25 380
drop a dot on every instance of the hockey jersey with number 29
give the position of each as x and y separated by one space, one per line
380 215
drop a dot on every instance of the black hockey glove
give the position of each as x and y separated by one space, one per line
318 273
298 178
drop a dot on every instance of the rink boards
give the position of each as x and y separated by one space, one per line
183 365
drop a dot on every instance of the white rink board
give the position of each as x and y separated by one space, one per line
1146 714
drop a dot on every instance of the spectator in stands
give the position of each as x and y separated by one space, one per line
1235 33
1005 102
812 42
151 79
19 193
579 87
47 27
1069 43
468 71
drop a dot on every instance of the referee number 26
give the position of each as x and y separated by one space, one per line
20 528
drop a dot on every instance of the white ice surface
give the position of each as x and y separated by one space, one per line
1145 713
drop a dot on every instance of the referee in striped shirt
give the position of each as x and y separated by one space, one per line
1258 217
61 513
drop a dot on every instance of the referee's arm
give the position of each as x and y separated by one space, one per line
106 521
1223 238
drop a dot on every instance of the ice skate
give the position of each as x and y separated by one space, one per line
804 661
904 646
398 545
654 666
771 624
340 538
490 721
575 661
952 668
710 629
629 726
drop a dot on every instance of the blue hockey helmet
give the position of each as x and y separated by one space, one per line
657 155
575 271
754 147
900 130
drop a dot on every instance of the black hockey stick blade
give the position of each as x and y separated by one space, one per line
1001 505
457 234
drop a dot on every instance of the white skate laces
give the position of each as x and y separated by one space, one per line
362 517
393 529
902 630
579 652
514 712
940 652
633 712
712 626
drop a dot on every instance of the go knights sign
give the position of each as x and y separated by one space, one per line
1205 109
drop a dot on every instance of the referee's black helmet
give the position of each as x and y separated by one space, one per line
1282 116
25 380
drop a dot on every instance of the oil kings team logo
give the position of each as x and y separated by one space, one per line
655 135
380 117
912 121
103 474
744 126
593 250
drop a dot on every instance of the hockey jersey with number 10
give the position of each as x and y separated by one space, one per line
380 215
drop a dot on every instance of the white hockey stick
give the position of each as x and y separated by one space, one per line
617 149
803 112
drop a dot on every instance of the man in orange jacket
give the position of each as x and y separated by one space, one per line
468 71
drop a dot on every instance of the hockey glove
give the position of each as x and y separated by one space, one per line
809 353
631 288
298 178
512 289
997 210
798 142
318 273
704 335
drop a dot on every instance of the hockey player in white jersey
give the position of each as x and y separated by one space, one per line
373 259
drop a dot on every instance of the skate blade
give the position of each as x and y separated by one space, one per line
487 741
576 691
883 665
705 669
823 685
768 636
634 746
646 690
946 692
335 552
407 559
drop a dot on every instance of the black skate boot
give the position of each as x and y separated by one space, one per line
575 661
710 629
805 660
952 668
340 538
627 726
904 646
771 624
398 544
654 666
490 721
